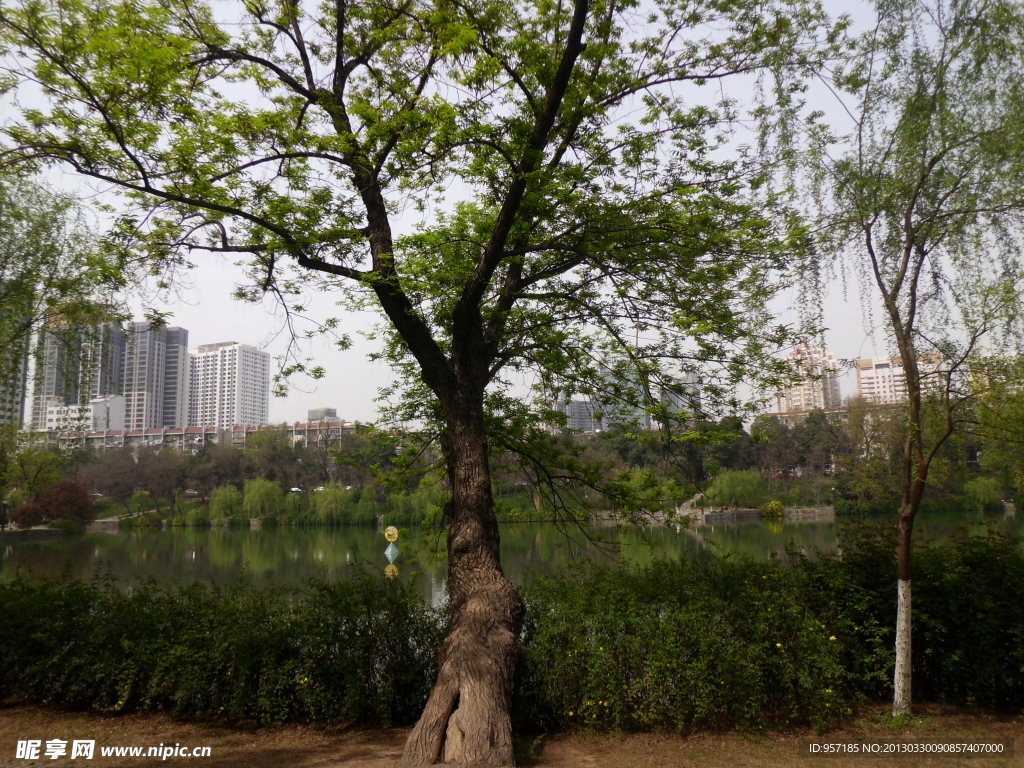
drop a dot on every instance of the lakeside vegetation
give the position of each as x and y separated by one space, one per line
368 476
677 645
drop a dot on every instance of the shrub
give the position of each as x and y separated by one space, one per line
27 515
352 652
675 645
866 508
142 501
199 518
682 646
68 500
773 509
17 497
145 520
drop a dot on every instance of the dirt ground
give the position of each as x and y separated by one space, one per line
307 747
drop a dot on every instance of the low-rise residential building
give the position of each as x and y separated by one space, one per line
99 415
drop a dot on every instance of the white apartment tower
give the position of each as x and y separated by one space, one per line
229 386
881 380
819 384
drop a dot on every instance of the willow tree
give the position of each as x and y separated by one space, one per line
927 204
599 223
51 274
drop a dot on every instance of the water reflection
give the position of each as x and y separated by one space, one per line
290 556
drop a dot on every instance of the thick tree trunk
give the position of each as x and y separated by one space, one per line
467 720
901 700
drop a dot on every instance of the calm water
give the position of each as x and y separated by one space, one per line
291 555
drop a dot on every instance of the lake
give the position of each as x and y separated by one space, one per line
283 556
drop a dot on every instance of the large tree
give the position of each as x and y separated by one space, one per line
603 238
925 197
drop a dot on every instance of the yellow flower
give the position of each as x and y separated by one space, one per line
833 637
571 714
778 645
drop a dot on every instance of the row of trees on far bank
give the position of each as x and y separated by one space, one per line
851 460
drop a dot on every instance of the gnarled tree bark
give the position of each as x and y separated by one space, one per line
467 720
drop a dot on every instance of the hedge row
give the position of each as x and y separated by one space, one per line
676 645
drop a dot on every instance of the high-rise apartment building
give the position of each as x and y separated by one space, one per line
882 380
12 384
152 398
176 378
580 415
74 365
229 385
818 386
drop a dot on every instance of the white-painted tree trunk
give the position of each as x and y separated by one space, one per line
901 680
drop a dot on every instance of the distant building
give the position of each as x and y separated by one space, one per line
176 388
581 415
152 399
882 380
591 416
75 364
56 378
229 386
13 385
818 386
684 399
793 418
100 415
322 414
321 432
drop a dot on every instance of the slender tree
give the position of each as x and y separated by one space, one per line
604 241
927 196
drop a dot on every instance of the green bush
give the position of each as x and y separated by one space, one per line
142 501
675 645
145 520
738 488
198 518
353 652
773 509
682 646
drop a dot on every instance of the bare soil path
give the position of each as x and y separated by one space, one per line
308 747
